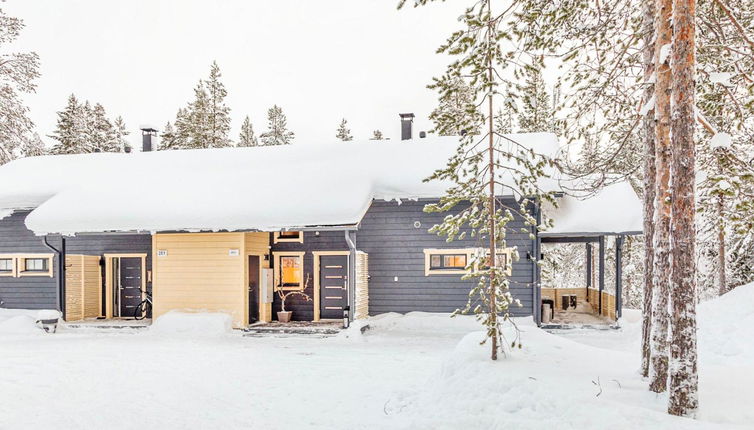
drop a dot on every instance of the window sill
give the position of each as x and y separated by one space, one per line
22 274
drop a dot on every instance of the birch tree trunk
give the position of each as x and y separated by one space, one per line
648 130
683 377
661 242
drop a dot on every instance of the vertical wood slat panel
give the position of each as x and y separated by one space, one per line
83 287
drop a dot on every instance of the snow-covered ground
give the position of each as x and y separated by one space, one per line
415 371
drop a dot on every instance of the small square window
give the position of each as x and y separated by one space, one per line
6 265
36 265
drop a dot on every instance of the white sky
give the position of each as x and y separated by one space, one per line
320 60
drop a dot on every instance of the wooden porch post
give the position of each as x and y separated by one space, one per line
618 276
601 271
589 269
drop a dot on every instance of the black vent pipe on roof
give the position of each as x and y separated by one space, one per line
147 145
407 125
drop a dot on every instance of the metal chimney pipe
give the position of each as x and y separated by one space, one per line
407 125
146 139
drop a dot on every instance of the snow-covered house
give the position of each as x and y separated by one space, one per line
225 229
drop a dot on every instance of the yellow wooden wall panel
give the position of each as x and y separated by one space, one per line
199 274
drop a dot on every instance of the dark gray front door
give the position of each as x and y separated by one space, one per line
333 285
253 288
129 278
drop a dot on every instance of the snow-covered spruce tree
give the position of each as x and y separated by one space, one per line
69 130
197 128
663 198
121 131
481 161
34 147
247 137
101 134
183 130
536 113
457 111
377 135
167 138
218 113
277 128
343 132
17 76
82 129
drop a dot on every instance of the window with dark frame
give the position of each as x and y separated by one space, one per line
289 234
36 265
6 265
447 261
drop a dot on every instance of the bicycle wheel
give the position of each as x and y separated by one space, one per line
140 311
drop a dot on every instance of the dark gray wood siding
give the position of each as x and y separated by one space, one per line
396 249
112 243
325 241
39 292
32 292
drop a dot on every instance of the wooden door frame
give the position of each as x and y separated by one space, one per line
259 285
316 263
109 278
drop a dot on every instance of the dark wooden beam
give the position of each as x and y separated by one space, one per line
589 269
601 271
618 276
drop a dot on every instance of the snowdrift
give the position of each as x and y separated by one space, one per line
199 324
725 327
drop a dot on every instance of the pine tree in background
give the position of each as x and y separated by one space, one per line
167 138
183 130
536 113
457 111
247 137
82 128
277 128
505 120
17 76
377 135
121 131
101 133
198 129
481 159
69 130
218 113
344 133
34 147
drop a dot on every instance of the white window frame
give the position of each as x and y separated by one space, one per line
12 272
19 265
469 252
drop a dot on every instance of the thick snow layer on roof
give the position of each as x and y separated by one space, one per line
614 209
264 188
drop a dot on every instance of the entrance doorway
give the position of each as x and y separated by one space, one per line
333 285
125 284
254 274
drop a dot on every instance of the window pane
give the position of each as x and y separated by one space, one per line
289 234
6 265
290 269
35 264
454 261
435 261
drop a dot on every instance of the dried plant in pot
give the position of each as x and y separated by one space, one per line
283 315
